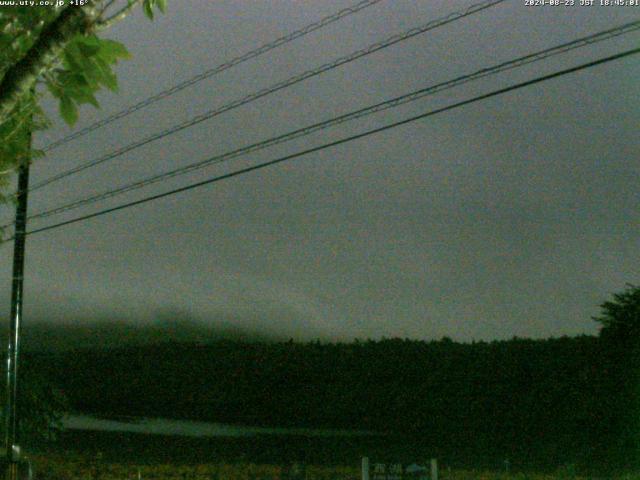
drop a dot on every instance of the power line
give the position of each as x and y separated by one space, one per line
214 71
341 141
387 104
274 88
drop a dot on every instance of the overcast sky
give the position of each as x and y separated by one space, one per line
517 215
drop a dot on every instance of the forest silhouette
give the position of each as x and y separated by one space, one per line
556 401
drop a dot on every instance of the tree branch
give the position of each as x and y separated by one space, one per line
22 76
116 17
106 6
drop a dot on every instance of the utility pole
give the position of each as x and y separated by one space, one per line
13 349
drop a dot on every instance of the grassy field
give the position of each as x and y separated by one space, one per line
69 467
129 456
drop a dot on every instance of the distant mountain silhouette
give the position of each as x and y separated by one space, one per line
101 334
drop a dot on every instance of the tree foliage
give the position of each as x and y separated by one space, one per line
533 401
620 343
540 403
60 49
620 317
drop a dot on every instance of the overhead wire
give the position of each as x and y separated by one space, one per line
341 141
394 39
362 112
267 47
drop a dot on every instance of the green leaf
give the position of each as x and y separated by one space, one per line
71 80
148 8
110 51
88 50
68 111
108 78
91 71
85 96
36 153
55 89
162 5
91 40
71 57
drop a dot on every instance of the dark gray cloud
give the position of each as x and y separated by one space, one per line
513 216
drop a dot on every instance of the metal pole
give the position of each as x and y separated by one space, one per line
365 468
13 349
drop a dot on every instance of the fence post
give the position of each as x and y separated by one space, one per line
365 468
434 469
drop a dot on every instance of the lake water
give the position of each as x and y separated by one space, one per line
164 426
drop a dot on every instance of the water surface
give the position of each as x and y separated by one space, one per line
165 426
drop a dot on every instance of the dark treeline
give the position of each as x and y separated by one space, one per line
537 402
